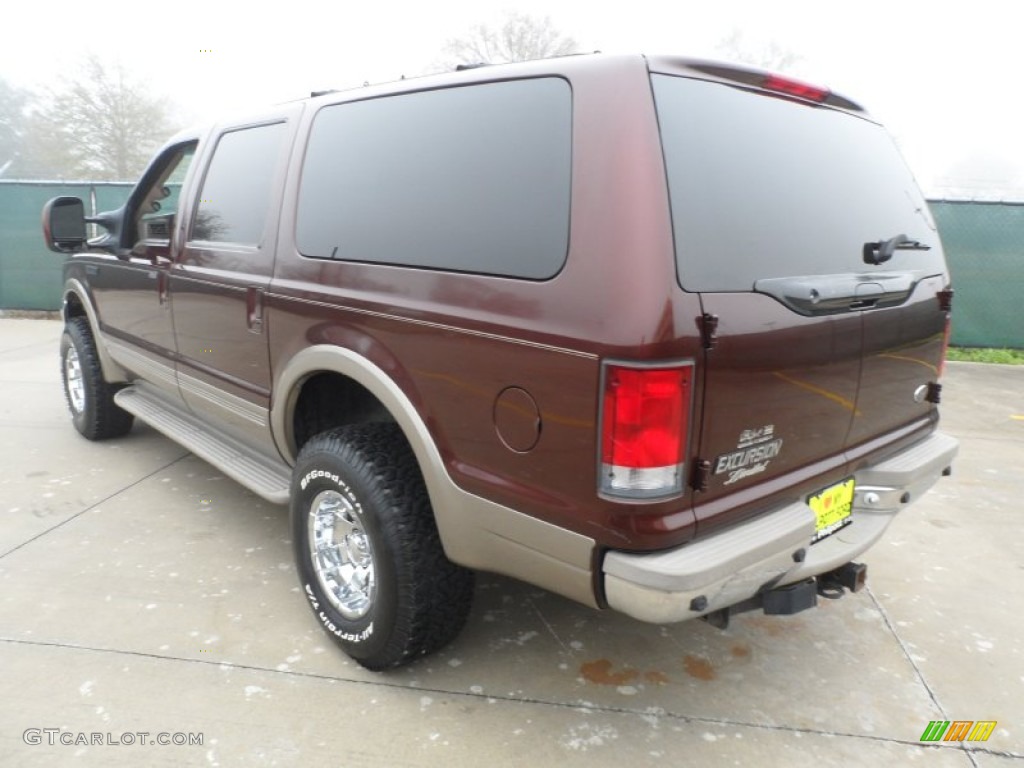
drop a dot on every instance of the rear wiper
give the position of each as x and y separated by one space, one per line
881 251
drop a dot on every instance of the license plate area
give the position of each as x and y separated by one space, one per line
832 507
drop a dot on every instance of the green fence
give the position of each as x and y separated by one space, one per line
30 274
984 245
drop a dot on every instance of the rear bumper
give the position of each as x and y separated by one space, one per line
772 550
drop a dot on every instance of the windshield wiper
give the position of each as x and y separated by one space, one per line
881 251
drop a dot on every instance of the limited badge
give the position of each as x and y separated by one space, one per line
754 451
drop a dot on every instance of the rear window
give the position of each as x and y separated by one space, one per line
763 187
469 179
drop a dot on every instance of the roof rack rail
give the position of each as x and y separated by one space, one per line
474 65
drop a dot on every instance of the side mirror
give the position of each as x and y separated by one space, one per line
64 224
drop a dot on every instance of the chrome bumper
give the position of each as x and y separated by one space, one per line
773 549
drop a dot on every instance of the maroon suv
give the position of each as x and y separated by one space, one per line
660 335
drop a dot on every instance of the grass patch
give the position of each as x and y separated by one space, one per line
984 355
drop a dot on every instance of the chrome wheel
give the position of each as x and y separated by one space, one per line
342 554
73 379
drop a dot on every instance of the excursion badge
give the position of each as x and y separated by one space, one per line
754 451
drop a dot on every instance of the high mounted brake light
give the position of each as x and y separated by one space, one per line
795 88
777 83
644 427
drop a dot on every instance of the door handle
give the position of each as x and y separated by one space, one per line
254 309
162 283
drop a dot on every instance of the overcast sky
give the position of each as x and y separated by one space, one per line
943 76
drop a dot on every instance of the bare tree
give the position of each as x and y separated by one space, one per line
13 102
769 55
100 125
519 38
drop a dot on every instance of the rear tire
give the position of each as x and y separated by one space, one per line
367 549
89 396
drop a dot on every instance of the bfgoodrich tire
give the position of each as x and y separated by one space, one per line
89 396
367 549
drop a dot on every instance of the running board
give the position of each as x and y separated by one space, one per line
259 473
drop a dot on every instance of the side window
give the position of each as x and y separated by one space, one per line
471 179
235 196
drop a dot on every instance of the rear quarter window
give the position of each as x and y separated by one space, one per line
470 179
764 186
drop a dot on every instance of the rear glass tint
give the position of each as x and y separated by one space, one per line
764 187
471 179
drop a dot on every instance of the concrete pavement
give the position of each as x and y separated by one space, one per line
141 591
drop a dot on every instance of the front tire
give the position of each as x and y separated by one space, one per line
89 396
367 549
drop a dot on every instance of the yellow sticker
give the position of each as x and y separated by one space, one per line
832 508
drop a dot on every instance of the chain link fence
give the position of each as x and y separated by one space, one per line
984 244
30 274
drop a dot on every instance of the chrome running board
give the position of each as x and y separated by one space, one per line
260 474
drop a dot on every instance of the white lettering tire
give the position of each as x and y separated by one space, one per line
367 549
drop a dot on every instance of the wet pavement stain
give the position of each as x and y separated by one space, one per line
740 651
600 672
699 668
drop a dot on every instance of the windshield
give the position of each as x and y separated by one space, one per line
763 186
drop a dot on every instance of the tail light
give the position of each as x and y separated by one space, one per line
644 429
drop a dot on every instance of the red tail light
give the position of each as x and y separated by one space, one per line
644 428
795 88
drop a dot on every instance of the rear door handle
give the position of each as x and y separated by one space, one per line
254 309
827 294
162 284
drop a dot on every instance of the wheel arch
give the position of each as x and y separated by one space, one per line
76 303
321 359
326 359
475 532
